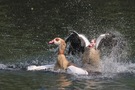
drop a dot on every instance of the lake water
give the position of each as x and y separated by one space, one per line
26 26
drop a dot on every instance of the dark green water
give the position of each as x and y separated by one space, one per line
26 26
22 80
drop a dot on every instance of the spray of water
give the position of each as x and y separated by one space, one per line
113 60
117 59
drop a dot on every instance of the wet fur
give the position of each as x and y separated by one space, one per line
91 59
62 62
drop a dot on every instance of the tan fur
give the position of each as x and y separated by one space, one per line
62 62
62 46
94 56
91 59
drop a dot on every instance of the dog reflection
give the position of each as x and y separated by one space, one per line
63 82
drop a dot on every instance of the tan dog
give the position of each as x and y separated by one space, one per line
62 62
91 58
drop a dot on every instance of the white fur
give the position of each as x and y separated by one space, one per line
76 70
85 39
99 39
57 42
73 70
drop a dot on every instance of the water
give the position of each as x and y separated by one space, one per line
27 26
23 80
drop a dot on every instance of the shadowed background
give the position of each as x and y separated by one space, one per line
27 26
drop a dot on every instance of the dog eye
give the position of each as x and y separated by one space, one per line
57 39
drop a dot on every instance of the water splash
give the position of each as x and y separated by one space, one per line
2 66
113 61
